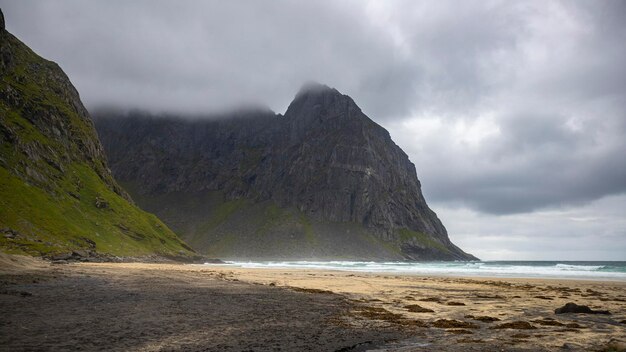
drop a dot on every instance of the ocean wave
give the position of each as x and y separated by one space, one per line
575 270
580 267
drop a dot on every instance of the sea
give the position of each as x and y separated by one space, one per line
580 270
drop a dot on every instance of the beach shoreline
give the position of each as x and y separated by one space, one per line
599 280
151 307
561 270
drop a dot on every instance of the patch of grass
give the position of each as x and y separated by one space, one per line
275 216
49 224
309 234
272 217
223 246
390 246
406 235
221 213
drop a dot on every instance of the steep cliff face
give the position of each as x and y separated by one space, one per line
323 181
56 191
343 167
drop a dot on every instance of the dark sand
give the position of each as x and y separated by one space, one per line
70 307
173 307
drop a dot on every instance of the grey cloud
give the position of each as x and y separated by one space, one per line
535 131
535 162
596 231
557 98
390 91
462 50
196 56
549 74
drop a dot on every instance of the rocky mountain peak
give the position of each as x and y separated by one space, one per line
316 97
323 181
317 106
1 21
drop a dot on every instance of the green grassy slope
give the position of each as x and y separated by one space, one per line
243 229
56 192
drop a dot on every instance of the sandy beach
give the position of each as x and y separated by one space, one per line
175 307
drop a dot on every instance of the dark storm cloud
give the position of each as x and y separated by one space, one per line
541 125
505 107
197 56
532 162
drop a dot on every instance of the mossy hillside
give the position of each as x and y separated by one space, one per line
218 226
288 234
53 223
420 239
52 169
42 116
308 229
221 213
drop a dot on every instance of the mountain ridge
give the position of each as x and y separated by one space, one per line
324 163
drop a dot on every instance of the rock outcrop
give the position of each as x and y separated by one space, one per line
54 179
324 178
575 308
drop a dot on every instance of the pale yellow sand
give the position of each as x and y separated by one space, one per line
509 300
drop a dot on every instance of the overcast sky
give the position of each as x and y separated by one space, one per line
514 113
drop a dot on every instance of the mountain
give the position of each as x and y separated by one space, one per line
56 192
323 181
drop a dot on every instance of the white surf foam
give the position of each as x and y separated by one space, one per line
484 269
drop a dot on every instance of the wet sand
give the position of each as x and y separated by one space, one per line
174 307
